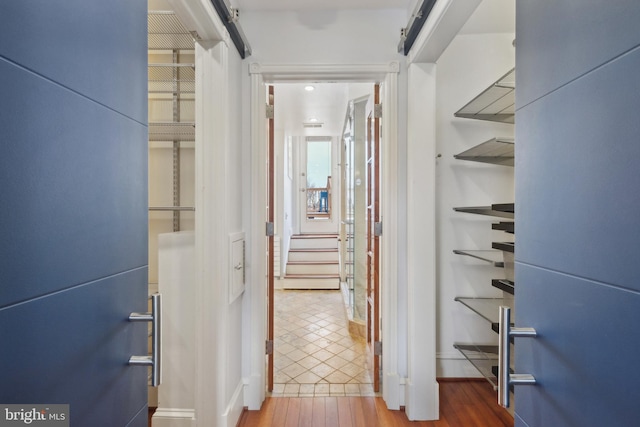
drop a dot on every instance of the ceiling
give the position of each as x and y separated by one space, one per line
327 104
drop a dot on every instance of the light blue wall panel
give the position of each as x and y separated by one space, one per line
564 39
578 177
73 169
93 47
586 355
72 348
75 174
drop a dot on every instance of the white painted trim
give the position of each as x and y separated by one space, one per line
419 405
323 72
387 73
444 22
235 407
392 383
174 417
257 248
421 391
211 225
254 390
218 193
203 252
391 389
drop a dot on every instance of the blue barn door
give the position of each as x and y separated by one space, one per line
578 212
73 221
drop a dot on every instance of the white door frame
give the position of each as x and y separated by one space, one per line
261 74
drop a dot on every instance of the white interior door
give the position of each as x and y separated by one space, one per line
318 186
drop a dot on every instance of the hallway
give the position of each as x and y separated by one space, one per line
462 404
314 353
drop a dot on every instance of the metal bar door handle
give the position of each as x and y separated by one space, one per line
155 360
505 378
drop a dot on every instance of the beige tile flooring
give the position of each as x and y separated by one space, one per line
314 353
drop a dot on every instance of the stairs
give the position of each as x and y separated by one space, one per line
313 262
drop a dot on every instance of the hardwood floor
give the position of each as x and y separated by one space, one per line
462 404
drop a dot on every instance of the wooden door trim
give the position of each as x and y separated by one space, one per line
270 249
393 389
376 239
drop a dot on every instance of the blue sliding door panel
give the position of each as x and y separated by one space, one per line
578 177
75 175
585 358
596 31
92 47
73 253
577 242
72 348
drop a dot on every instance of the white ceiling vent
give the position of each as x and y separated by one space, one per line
309 125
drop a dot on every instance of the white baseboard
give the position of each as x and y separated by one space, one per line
393 391
418 407
254 392
234 409
454 365
174 417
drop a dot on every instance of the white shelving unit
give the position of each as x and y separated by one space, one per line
171 102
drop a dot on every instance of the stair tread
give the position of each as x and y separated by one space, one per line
314 236
312 276
313 250
312 262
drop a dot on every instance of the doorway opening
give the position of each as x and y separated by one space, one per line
318 179
320 347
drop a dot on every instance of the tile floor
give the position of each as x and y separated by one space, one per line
314 353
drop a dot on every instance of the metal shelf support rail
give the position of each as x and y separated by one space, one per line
491 256
166 32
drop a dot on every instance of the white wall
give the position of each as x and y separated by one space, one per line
234 206
218 162
219 212
468 66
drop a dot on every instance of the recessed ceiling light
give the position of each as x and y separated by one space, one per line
309 88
